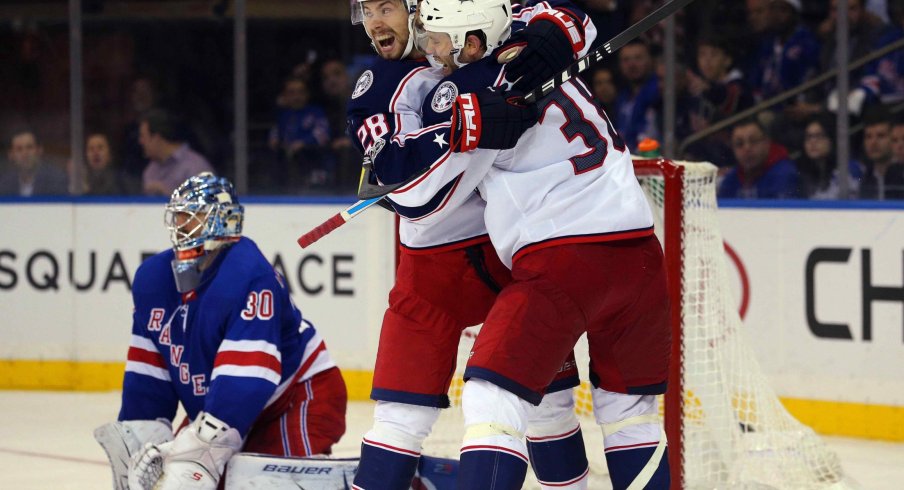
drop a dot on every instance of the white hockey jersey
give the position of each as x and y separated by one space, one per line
568 180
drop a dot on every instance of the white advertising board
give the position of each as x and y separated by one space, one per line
66 271
813 273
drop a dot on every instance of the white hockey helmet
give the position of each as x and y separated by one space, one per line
459 17
357 17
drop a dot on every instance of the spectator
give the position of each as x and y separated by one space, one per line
882 180
866 32
897 142
172 161
301 138
818 166
143 96
718 92
28 175
337 90
605 90
102 177
786 52
636 104
883 79
763 170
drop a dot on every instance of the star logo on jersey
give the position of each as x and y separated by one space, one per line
439 139
444 97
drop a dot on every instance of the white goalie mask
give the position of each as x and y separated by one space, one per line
360 15
456 18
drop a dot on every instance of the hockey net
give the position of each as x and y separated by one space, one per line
726 427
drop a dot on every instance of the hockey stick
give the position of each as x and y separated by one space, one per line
336 221
370 194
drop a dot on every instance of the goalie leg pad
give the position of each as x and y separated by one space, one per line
555 443
634 440
493 454
122 440
247 471
390 450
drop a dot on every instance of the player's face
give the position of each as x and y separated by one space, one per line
188 224
439 46
386 22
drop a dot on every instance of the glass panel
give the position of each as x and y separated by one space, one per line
303 61
34 114
166 65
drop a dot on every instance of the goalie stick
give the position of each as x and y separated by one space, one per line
370 194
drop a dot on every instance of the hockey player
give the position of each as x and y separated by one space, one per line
422 326
565 212
214 328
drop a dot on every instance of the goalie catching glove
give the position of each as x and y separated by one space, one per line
548 45
490 120
195 459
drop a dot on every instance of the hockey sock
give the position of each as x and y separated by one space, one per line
625 465
493 453
491 470
385 468
559 461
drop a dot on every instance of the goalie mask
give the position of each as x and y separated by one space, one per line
445 25
384 21
203 214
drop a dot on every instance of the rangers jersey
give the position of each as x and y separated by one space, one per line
231 347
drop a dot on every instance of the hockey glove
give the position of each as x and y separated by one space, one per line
551 44
490 120
195 459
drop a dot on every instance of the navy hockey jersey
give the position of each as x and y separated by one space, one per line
231 347
568 180
386 106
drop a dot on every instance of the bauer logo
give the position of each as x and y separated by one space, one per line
444 97
364 82
298 470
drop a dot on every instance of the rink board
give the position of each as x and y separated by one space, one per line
66 269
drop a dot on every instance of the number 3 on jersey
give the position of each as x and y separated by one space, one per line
373 128
259 305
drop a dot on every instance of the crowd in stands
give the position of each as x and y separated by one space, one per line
732 56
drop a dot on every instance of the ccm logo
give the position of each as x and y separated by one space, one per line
471 126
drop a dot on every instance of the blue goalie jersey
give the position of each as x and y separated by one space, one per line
231 347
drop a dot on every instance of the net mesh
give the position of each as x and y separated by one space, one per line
735 432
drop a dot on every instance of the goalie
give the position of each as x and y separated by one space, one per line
214 328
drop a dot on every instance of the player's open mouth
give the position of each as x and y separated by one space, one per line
385 42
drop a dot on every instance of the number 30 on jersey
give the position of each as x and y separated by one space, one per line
259 305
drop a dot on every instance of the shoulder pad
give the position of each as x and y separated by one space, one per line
473 77
375 86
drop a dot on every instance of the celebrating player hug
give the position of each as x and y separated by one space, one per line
566 214
391 104
214 329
